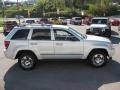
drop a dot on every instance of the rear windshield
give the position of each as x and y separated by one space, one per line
44 19
99 21
30 21
11 22
21 35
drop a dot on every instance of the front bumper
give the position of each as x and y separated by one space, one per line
111 52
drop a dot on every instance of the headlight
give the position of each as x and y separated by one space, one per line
103 29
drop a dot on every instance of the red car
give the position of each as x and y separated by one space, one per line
8 26
44 21
115 22
87 20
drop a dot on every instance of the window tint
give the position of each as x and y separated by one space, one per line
62 35
30 21
21 34
77 18
41 34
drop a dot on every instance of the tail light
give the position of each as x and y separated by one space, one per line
6 43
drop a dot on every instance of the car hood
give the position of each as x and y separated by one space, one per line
98 25
97 38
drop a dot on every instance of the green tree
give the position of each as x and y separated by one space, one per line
91 9
103 6
59 5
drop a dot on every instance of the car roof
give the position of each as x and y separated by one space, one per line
100 18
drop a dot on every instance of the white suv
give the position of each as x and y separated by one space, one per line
31 43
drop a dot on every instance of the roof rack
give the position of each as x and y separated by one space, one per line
34 25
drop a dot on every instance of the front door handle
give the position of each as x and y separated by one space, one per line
33 43
59 44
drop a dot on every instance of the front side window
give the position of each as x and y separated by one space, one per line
62 35
21 34
41 34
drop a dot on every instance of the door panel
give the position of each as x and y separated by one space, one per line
68 49
67 45
44 48
42 43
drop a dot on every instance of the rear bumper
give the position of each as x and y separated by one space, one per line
8 54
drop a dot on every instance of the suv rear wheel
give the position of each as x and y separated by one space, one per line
98 58
27 61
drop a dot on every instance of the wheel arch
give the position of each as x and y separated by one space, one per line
96 49
25 51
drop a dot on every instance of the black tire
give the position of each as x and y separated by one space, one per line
30 59
108 33
80 24
87 32
94 62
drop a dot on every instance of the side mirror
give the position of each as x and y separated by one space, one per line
73 39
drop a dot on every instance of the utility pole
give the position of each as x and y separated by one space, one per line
3 8
18 10
17 5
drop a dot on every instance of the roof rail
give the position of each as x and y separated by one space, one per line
39 24
33 25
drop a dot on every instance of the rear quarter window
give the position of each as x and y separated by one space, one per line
21 34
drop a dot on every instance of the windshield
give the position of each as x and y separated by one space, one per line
78 18
99 21
77 33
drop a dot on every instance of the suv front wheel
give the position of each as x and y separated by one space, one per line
27 61
98 58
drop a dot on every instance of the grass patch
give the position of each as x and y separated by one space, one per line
1 22
1 29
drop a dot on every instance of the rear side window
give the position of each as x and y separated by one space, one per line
21 35
41 34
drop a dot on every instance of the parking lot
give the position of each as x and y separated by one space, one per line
62 75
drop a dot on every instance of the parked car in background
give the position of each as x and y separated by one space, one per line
63 20
119 27
76 20
114 21
55 21
31 43
44 21
8 26
100 26
87 20
29 21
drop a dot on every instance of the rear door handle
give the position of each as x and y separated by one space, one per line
59 44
